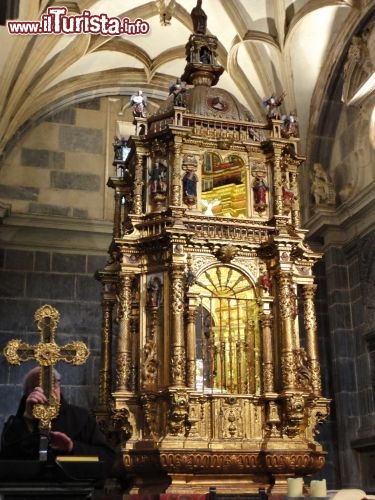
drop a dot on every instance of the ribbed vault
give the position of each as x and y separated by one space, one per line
264 47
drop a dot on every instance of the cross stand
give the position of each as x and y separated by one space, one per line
46 353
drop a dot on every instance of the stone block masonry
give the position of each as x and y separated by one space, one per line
31 278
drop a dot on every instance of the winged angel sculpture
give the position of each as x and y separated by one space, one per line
139 103
209 205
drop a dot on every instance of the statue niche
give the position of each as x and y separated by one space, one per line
190 180
158 183
223 179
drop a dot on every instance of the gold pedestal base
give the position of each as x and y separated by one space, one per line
224 483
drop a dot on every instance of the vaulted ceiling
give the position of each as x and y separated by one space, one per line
265 46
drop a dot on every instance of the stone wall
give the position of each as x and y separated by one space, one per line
345 233
327 436
54 236
350 285
352 157
31 278
60 166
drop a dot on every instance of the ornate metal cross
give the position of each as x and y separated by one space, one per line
46 353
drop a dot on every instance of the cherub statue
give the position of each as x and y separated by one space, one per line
139 103
209 205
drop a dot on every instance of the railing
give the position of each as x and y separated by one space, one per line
226 230
220 228
224 129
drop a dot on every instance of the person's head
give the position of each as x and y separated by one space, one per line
31 381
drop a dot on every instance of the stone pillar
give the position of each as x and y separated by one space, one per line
191 336
178 353
311 336
124 361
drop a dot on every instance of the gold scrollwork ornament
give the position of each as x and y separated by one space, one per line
46 413
47 354
11 351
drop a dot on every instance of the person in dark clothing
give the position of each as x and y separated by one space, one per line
73 432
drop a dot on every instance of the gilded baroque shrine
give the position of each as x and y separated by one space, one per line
210 290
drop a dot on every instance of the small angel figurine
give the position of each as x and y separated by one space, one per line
178 89
273 104
139 103
209 205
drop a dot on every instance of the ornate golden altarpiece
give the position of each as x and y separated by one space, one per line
210 368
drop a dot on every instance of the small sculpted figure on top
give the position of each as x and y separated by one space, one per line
199 19
139 103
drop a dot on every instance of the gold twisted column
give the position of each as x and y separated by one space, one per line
178 354
176 175
268 367
191 315
311 336
124 362
286 316
278 204
134 326
296 214
150 363
106 353
138 186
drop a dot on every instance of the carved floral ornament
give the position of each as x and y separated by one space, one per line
226 253
258 170
46 413
189 160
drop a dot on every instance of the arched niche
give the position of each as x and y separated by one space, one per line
228 348
224 182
